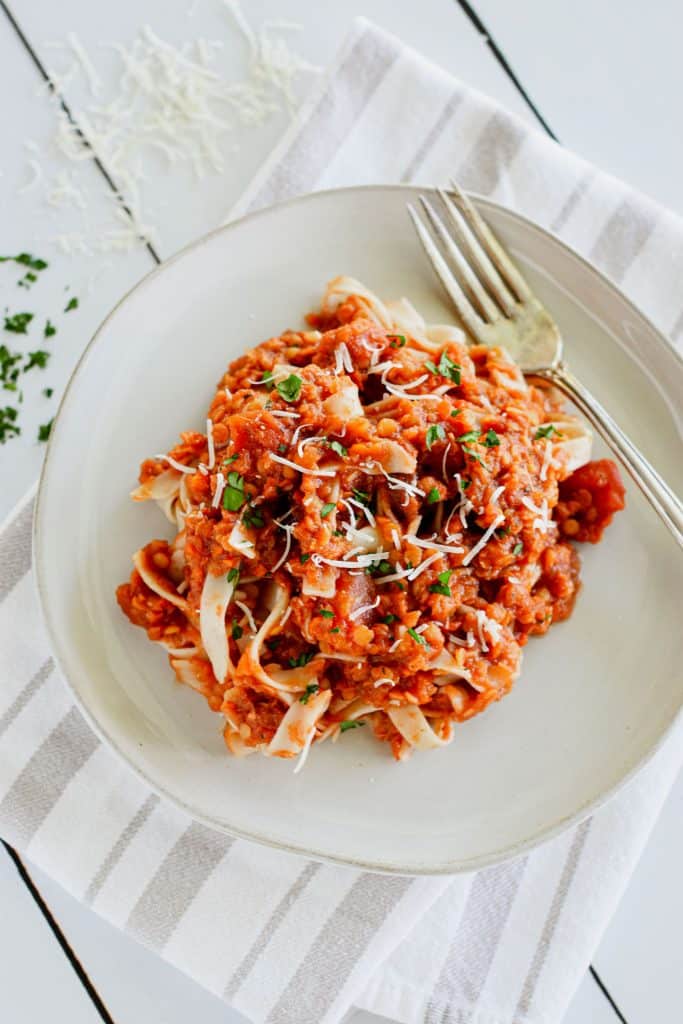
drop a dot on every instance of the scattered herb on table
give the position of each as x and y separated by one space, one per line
44 430
71 304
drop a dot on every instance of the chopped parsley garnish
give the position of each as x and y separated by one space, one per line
304 558
27 280
26 260
8 427
267 379
339 448
388 619
49 330
230 459
237 631
397 340
435 433
434 496
9 370
416 637
455 413
233 495
44 431
446 368
518 548
471 435
71 304
289 388
328 507
48 392
502 532
335 630
345 726
282 447
465 483
442 586
384 568
18 323
302 660
308 692
473 455
234 576
253 517
491 440
273 642
361 496
546 431
38 358
326 613
338 533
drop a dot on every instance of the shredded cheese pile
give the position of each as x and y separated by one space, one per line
181 101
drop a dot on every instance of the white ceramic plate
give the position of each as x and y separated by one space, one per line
596 695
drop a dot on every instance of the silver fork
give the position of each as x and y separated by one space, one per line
497 307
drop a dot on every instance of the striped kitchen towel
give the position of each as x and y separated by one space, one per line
281 938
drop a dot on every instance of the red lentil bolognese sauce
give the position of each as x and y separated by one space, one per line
376 520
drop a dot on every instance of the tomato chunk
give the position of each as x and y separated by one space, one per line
588 500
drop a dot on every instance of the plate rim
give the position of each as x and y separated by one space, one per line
446 867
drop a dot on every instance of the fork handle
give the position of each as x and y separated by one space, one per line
665 503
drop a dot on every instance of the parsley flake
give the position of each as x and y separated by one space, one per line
71 304
8 427
442 586
49 330
302 660
546 431
328 507
339 448
326 613
48 392
253 517
416 637
518 548
446 368
345 726
388 619
308 692
397 340
435 433
18 323
237 631
434 496
38 358
471 435
491 440
233 495
289 388
44 431
361 496
234 576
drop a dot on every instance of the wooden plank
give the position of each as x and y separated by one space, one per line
608 78
182 206
37 982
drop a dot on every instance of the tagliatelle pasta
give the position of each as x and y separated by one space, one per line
378 518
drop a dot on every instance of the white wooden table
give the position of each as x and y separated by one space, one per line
604 79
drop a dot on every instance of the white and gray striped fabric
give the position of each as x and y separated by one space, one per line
283 939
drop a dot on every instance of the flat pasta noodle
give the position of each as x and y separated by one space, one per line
379 517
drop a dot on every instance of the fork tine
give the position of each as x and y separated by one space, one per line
466 311
495 250
488 308
479 257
